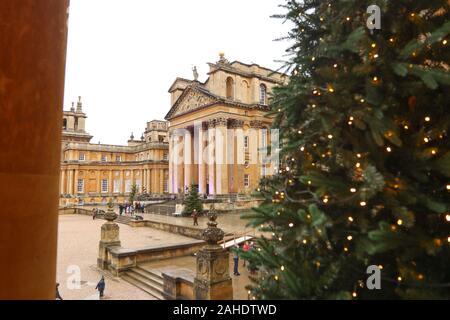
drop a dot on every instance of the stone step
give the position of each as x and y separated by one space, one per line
154 279
157 275
142 284
144 279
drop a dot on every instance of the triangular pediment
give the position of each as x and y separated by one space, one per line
191 99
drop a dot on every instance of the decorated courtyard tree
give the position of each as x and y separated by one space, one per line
192 201
365 173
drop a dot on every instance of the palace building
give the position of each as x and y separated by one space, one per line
93 173
215 138
219 129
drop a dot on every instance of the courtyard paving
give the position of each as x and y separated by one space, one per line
78 238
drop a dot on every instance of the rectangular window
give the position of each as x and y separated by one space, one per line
80 186
118 158
104 185
246 181
264 138
166 186
246 142
166 156
138 184
127 186
104 158
116 186
82 156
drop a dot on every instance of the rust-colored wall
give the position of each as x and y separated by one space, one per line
33 36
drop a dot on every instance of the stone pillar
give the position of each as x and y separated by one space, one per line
237 157
211 158
109 237
149 181
212 280
161 181
111 183
187 152
221 156
32 64
176 163
99 183
170 182
255 129
75 183
201 160
63 181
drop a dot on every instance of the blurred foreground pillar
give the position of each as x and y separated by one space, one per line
33 39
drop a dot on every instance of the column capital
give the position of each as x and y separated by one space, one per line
235 123
221 122
256 124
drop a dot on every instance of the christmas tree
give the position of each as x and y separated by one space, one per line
364 178
192 201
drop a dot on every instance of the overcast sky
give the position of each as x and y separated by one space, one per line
123 55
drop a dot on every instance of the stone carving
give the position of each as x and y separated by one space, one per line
109 237
192 101
212 235
235 124
256 124
212 281
221 122
195 72
110 215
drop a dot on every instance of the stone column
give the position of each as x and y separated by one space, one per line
212 280
111 183
176 163
170 182
99 183
31 89
238 155
187 152
202 132
63 181
75 183
161 181
211 157
109 238
149 185
255 129
221 156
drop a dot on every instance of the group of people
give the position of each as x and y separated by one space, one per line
130 208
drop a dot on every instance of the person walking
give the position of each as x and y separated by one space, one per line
101 286
120 209
195 217
58 296
236 260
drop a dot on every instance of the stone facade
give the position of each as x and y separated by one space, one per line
216 136
93 173
218 129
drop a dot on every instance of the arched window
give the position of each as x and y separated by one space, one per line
64 124
263 94
245 91
230 88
